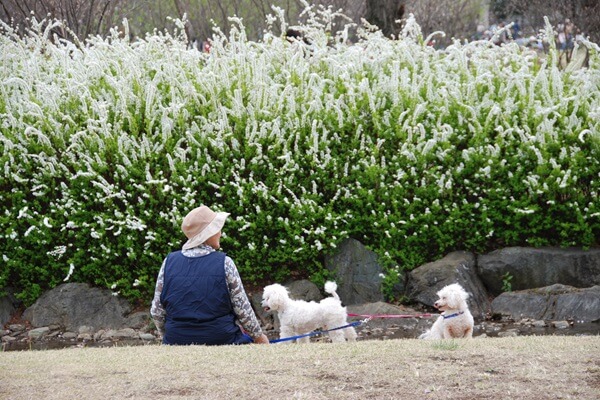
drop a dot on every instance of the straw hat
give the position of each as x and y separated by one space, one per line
200 224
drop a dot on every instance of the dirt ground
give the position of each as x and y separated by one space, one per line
524 367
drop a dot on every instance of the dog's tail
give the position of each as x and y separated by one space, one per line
331 287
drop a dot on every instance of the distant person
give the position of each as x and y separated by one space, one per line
562 37
500 36
516 30
293 35
206 46
570 30
199 296
480 32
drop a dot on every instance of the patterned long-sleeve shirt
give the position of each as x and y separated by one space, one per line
239 300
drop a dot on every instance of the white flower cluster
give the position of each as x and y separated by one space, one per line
382 138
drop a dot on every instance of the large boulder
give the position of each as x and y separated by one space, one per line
8 306
357 272
304 290
555 302
529 268
72 305
457 267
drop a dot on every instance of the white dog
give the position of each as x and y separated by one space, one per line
298 317
456 320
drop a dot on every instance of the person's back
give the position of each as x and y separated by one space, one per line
196 299
199 296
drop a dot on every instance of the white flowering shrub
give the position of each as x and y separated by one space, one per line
415 152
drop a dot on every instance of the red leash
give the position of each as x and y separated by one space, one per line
393 315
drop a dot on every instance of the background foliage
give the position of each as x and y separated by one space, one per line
457 18
415 152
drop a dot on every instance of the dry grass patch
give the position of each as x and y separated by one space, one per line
550 367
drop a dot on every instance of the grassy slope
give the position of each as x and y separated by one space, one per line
549 367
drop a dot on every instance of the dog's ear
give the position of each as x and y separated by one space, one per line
457 297
464 294
453 299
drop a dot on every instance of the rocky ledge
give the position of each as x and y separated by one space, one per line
19 336
513 291
22 336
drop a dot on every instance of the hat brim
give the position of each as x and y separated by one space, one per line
212 229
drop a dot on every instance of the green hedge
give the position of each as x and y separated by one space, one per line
413 151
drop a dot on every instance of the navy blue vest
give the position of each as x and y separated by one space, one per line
197 302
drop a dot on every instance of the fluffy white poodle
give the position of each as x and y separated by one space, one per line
456 320
298 317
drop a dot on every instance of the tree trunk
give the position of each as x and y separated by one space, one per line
384 14
189 30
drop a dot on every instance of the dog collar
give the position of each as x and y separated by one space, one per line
453 315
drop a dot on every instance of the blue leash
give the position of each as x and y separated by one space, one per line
314 333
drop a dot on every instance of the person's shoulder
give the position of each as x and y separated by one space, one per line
174 254
229 261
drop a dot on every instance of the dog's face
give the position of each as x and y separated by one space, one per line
274 297
451 297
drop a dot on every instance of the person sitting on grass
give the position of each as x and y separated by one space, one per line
199 296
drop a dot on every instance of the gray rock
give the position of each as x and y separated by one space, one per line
147 336
126 333
138 320
117 334
85 337
85 329
69 335
357 273
381 308
8 306
74 304
561 324
304 290
38 332
458 267
556 302
535 268
16 327
509 333
107 335
98 335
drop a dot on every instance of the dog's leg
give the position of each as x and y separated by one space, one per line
450 332
469 332
286 332
350 334
436 330
447 333
303 340
337 336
